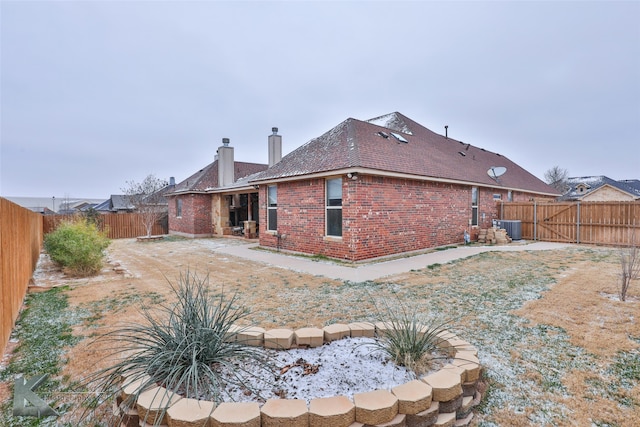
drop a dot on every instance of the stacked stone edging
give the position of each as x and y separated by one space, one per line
444 398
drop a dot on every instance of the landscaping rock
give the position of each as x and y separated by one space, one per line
336 411
425 418
362 329
152 404
413 397
309 337
375 407
445 384
336 331
280 339
236 414
190 413
445 420
398 421
253 335
285 412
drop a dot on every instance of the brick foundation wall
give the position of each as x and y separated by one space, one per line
381 216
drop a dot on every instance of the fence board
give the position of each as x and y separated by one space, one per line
20 244
596 223
117 226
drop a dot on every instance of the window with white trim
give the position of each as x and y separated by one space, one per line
333 207
474 205
178 207
272 208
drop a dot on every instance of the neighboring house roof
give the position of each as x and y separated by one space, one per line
37 204
115 203
206 179
396 145
581 186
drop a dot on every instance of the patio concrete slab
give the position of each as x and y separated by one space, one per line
375 269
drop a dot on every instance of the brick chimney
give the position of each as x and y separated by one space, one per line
226 166
275 147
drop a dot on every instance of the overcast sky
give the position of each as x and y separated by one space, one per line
98 93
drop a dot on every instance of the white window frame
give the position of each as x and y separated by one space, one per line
475 198
178 207
272 209
329 207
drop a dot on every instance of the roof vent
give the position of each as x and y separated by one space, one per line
383 134
225 142
462 153
446 131
399 137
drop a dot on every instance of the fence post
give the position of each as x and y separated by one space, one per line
578 223
535 220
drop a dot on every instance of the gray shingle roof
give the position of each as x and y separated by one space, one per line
372 145
630 186
207 178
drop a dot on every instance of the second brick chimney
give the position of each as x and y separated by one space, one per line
226 166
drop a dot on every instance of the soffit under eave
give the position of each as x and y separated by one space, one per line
376 172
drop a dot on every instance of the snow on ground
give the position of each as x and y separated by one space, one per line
340 368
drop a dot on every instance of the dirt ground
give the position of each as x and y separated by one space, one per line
582 302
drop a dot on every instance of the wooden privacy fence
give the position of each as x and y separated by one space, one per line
597 223
117 226
20 244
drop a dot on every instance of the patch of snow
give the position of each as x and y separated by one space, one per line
339 368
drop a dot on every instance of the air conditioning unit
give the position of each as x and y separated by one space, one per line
513 228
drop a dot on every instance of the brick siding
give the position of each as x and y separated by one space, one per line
381 216
196 218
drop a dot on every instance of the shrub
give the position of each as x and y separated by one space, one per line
407 340
188 347
78 246
630 266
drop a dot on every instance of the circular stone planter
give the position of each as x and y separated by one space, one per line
442 398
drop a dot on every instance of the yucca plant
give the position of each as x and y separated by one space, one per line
188 347
408 340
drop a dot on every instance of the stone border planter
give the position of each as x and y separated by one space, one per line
444 398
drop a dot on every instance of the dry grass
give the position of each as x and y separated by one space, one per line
553 336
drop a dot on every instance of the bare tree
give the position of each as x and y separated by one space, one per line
630 265
557 178
147 198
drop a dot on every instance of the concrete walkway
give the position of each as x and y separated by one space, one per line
374 270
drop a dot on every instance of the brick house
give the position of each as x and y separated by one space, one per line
364 189
388 185
216 200
602 189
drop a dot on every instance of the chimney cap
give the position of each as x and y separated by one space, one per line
225 142
274 130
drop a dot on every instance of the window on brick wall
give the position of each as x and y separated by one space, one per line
178 207
474 205
333 207
510 196
272 208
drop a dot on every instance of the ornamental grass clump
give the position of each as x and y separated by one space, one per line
190 347
78 246
407 340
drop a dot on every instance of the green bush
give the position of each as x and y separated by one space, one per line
78 246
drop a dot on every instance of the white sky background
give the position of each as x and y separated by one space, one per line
98 93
